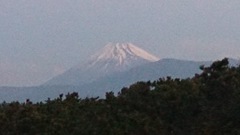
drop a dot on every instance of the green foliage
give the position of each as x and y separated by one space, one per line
208 104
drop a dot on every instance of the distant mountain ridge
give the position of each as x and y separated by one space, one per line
114 82
151 71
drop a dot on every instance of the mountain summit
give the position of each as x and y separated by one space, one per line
120 57
122 52
113 58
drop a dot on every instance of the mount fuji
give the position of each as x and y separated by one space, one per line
110 69
112 59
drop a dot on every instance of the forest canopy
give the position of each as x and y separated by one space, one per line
208 103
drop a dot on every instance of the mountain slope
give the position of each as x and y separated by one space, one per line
113 58
151 71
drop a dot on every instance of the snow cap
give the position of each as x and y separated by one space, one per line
122 51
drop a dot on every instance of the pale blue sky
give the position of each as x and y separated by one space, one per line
42 38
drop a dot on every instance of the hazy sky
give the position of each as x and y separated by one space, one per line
42 38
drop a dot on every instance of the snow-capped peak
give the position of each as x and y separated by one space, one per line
123 51
113 58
